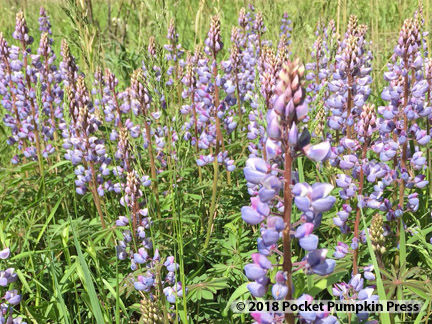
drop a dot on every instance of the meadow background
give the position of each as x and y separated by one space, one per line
115 33
66 263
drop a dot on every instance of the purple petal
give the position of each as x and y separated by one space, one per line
262 261
254 271
270 237
279 291
256 289
324 268
318 152
251 216
324 204
304 230
302 203
309 243
4 254
320 190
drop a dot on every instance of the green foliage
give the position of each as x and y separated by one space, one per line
66 264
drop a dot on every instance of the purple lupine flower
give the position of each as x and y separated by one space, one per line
341 250
286 137
5 253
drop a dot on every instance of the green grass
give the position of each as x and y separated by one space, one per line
99 42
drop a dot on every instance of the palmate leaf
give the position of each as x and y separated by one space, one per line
206 288
228 269
420 289
398 280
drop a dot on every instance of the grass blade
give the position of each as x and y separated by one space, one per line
421 313
96 307
58 297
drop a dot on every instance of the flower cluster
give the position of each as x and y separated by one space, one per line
11 297
274 191
137 245
20 75
353 291
350 80
123 141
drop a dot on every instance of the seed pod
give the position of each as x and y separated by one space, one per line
321 119
290 93
150 312
376 234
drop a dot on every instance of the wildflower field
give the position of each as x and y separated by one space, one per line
162 160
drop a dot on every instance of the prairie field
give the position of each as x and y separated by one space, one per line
200 161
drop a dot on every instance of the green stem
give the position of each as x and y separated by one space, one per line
213 202
161 295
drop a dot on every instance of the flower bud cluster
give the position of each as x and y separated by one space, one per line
213 41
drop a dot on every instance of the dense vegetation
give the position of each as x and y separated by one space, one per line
160 160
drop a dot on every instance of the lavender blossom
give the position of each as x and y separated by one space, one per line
288 109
